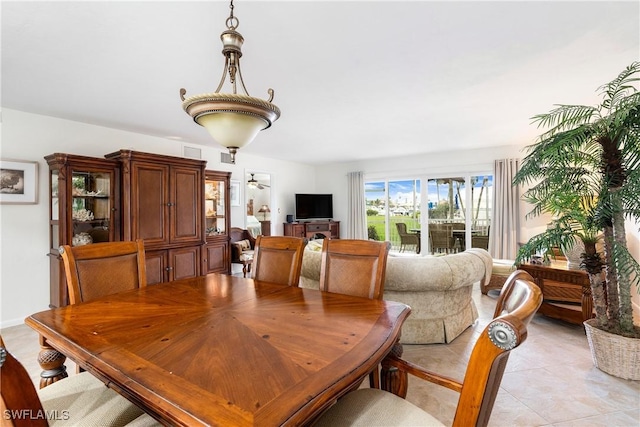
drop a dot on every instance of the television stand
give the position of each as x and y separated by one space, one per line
309 230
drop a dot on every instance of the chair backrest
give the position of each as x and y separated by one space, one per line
278 259
100 269
237 234
519 300
401 227
441 238
17 391
354 267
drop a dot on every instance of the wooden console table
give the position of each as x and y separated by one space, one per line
566 293
309 230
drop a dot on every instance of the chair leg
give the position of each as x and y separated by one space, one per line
244 269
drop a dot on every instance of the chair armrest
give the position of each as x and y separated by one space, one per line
235 253
251 239
420 372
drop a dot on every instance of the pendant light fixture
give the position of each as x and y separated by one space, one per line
233 119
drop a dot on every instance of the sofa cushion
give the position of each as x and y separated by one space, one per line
243 244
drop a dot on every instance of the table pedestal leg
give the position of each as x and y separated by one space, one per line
391 378
52 363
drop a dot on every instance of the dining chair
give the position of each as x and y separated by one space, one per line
441 239
80 399
100 269
355 267
406 238
519 300
278 259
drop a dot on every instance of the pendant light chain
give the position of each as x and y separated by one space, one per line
231 19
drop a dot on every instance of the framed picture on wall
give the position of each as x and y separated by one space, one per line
234 193
18 182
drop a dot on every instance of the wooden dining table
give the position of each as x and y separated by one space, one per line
225 350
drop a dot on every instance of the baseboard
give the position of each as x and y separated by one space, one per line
11 322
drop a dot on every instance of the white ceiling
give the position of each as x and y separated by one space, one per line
354 80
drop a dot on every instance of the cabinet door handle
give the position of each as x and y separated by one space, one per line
169 268
169 204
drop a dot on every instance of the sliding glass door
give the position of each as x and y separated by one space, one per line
457 212
390 203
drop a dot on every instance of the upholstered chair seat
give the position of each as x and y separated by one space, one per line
82 399
372 407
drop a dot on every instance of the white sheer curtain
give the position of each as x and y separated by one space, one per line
357 220
505 225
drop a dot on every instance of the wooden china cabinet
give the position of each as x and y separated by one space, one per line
216 257
162 203
83 208
131 195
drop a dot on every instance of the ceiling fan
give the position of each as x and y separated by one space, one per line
253 183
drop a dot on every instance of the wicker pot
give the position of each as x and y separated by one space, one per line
614 354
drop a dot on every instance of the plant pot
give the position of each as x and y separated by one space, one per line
614 354
574 254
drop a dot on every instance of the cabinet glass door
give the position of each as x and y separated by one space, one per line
55 211
214 207
91 210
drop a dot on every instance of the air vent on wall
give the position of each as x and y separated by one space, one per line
226 158
192 153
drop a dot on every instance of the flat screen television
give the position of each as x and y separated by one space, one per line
313 207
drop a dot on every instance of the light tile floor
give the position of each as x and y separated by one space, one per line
549 381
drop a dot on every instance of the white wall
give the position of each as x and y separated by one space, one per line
24 230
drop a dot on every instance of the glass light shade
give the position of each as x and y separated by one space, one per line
232 129
233 120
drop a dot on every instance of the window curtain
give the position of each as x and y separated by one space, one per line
505 226
357 220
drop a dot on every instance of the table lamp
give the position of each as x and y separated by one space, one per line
264 209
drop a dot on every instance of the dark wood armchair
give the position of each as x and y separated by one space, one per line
242 246
518 302
237 235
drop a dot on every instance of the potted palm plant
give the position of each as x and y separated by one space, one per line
585 171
